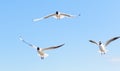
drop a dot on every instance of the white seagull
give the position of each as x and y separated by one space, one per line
41 50
57 15
102 47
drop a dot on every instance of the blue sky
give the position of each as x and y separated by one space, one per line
99 20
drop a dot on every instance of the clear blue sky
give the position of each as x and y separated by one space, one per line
99 20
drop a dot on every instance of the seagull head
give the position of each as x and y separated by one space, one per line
100 42
57 12
38 48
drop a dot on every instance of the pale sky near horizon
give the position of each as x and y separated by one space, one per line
99 20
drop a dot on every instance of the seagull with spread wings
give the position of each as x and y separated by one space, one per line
41 50
57 15
102 47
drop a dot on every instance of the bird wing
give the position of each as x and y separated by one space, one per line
49 16
27 43
53 47
39 19
67 15
93 42
110 40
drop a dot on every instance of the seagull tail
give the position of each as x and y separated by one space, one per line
103 52
45 55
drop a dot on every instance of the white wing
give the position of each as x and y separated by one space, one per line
27 43
37 19
49 16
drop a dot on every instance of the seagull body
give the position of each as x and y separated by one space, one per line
102 47
57 15
40 51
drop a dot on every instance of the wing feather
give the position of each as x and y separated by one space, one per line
27 43
49 16
39 19
53 47
93 42
110 40
67 15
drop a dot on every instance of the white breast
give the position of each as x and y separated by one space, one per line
102 48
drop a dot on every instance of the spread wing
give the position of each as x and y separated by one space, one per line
49 16
67 15
39 19
27 43
53 47
93 42
110 40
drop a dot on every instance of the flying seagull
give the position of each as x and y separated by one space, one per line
102 47
41 50
56 15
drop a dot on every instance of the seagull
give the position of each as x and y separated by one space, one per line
102 47
56 15
41 50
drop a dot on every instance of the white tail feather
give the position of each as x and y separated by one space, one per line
103 52
45 55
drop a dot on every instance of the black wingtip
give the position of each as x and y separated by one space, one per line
116 37
61 45
90 40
